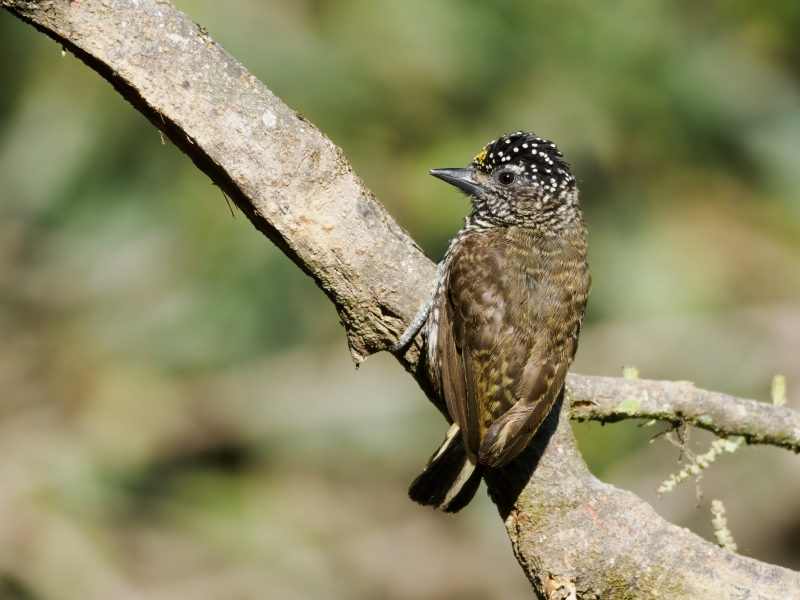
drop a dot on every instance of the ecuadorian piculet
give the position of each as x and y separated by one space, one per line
502 327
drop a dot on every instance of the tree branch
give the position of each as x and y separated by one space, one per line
577 537
610 399
574 536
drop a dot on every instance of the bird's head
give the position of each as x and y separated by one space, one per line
518 178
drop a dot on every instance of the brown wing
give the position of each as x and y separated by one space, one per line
506 337
454 385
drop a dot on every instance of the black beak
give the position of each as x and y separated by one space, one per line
461 178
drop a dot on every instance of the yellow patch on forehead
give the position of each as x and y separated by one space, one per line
481 158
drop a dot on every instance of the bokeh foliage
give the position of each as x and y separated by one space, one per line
178 416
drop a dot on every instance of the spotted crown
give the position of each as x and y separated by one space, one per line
539 158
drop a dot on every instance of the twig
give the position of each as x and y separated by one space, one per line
608 400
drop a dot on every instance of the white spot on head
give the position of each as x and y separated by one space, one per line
269 119
516 149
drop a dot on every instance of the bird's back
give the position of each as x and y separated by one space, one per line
509 313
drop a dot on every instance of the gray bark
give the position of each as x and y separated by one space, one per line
574 536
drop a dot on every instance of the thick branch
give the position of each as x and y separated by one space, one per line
610 399
289 179
577 537
574 536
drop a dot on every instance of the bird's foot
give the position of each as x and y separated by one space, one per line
419 319
416 326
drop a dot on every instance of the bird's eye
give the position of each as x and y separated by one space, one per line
506 177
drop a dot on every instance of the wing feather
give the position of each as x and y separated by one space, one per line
453 379
507 334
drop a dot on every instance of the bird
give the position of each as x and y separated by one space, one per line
501 327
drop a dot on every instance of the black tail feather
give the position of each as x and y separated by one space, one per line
450 479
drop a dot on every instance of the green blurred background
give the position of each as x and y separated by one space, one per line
179 417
